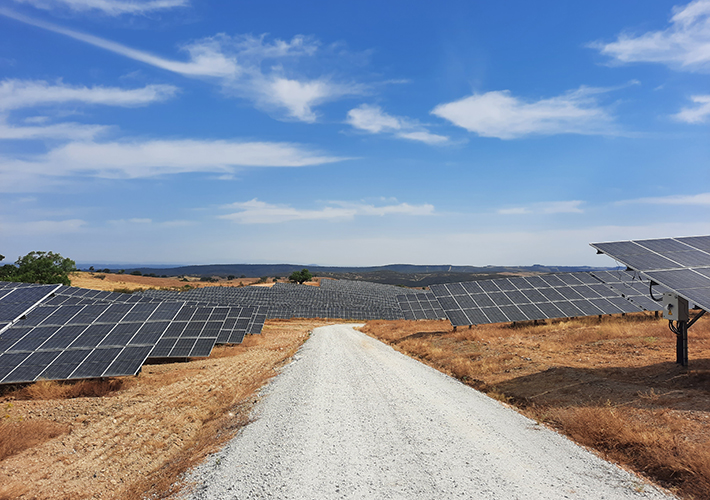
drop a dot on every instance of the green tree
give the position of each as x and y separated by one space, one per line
301 276
40 267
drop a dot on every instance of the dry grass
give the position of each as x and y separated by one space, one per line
50 389
16 437
138 441
611 385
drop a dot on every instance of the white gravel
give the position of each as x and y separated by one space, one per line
352 418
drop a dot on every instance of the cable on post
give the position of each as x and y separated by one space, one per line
650 291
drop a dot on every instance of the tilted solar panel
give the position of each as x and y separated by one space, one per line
679 264
530 298
15 301
80 341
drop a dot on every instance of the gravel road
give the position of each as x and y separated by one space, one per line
352 418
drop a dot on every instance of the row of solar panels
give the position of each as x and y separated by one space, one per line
333 299
469 303
59 333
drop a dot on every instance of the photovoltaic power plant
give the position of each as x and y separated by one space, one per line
549 296
679 264
416 306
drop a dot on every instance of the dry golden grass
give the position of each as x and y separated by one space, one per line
611 385
137 442
50 389
16 437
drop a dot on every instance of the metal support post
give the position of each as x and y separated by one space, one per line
681 345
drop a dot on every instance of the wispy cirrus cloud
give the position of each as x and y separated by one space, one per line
545 208
204 60
62 131
245 66
259 212
372 119
107 7
696 114
16 94
502 115
684 45
144 159
700 199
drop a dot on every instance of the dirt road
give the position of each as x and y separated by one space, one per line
352 418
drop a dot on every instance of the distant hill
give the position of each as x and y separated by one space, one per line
393 274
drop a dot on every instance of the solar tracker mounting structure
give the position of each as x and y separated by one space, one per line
547 296
682 265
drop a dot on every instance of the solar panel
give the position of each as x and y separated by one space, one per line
420 306
15 301
679 264
532 298
192 333
82 341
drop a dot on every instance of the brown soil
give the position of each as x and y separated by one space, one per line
611 385
132 437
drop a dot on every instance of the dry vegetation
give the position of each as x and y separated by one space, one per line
611 385
130 283
132 437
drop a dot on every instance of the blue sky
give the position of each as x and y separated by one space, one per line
351 133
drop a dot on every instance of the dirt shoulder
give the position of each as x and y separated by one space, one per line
611 385
137 440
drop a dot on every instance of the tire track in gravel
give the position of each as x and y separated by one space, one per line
352 418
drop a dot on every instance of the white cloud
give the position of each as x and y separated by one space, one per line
499 114
423 136
245 66
71 131
204 59
109 7
372 119
16 94
298 97
546 208
684 45
701 199
151 158
697 114
259 212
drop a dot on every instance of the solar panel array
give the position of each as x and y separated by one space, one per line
416 306
679 264
61 333
351 300
531 298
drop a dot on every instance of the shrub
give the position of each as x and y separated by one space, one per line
301 276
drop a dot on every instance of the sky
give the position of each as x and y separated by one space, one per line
351 133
